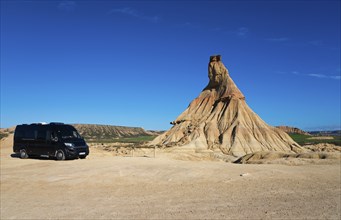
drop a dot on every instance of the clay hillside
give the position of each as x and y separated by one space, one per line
105 132
220 120
5 132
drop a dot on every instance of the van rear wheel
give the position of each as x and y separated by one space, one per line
23 154
60 155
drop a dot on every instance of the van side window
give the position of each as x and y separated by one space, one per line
41 134
29 134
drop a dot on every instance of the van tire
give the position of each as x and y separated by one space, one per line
82 157
23 154
60 155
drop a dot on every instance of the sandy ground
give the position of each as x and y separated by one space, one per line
107 187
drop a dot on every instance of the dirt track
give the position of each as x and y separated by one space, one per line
106 187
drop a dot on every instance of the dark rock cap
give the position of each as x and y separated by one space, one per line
215 58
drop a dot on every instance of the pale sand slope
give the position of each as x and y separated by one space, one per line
106 187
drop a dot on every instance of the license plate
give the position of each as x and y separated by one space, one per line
82 153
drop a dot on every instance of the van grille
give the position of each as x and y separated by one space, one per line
79 144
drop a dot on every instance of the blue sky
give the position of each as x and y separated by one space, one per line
140 63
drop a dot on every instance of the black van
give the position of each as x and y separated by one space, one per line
57 140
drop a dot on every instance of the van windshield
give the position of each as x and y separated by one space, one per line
67 132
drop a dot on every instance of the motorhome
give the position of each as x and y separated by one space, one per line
53 140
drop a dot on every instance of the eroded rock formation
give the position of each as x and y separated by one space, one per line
220 120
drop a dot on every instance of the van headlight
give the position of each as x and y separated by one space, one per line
71 145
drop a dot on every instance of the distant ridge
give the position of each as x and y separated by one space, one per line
292 130
94 131
326 133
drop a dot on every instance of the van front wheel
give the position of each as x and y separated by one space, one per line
23 154
60 155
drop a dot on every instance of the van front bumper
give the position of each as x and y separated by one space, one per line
77 152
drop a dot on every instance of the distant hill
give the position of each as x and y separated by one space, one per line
292 130
326 133
110 132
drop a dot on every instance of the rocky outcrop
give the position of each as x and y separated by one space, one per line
220 120
292 130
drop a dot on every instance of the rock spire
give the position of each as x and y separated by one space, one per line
220 120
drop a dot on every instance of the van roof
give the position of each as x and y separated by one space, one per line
44 123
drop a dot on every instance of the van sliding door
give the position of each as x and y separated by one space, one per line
41 146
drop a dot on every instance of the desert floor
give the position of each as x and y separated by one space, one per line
107 187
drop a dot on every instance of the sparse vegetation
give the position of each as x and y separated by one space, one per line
3 135
6 132
137 139
302 139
